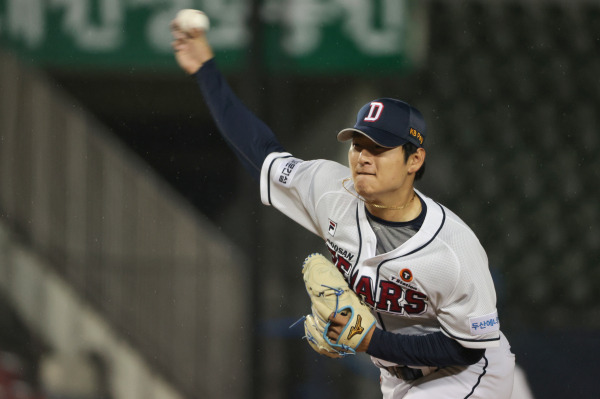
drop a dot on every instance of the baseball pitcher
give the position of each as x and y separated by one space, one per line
405 280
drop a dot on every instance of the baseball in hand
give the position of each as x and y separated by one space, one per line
189 19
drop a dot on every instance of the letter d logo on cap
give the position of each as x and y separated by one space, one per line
374 112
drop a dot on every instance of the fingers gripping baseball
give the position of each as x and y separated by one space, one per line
190 44
339 321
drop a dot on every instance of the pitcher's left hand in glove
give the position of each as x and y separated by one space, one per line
330 297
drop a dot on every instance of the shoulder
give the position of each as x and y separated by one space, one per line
454 240
454 231
463 250
284 168
317 184
441 223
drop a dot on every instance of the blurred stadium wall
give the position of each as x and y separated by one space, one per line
511 93
100 257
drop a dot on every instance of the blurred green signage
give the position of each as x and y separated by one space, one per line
332 36
299 36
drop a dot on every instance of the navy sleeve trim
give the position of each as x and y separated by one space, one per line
250 138
434 350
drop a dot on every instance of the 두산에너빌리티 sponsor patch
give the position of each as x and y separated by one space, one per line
484 324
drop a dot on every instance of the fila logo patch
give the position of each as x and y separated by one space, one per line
374 112
357 328
332 227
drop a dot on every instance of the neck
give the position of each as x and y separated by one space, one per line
408 210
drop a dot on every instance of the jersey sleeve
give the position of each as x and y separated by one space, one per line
249 138
469 313
296 187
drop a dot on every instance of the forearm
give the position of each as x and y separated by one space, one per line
249 138
436 350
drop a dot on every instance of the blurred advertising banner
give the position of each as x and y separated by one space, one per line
353 36
298 36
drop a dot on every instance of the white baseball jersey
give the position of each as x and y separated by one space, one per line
437 280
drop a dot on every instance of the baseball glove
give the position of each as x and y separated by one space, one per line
329 293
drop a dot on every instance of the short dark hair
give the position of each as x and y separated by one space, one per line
409 149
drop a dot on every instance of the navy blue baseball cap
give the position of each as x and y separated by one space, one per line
388 122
